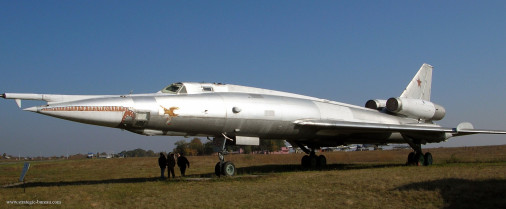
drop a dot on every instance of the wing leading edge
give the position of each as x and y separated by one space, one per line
461 130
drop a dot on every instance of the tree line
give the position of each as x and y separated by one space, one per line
196 148
138 153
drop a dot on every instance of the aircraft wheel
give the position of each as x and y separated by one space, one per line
427 159
411 158
306 161
228 169
322 161
419 159
217 169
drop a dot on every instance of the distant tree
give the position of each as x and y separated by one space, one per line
5 154
138 153
208 148
247 149
150 153
270 145
233 148
196 147
181 147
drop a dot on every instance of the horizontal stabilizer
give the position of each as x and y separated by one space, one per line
466 128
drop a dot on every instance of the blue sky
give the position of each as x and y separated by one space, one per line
348 51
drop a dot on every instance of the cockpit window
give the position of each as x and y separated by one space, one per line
173 88
183 90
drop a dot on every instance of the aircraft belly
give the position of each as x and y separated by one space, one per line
194 126
259 128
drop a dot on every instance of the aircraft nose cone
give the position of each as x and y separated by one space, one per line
31 109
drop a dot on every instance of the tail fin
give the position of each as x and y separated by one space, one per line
419 87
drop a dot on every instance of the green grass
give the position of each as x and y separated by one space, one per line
373 179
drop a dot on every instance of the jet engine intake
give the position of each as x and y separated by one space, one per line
415 108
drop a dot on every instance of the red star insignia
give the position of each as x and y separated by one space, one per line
419 82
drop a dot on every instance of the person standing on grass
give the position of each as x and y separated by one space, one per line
182 162
162 162
171 163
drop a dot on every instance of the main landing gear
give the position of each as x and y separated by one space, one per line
417 157
223 168
312 161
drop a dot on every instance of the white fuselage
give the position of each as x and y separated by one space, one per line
211 114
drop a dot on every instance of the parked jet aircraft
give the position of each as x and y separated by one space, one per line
241 115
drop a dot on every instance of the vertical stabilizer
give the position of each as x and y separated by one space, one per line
419 87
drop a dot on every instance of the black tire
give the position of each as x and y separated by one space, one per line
217 169
322 161
411 158
228 169
427 159
305 162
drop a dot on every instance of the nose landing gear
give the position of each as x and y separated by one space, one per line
223 168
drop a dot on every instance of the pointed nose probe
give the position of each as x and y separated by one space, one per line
32 109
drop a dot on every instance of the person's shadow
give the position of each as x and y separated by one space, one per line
463 193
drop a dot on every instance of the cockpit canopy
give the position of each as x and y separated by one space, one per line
175 88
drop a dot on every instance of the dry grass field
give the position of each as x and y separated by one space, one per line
469 177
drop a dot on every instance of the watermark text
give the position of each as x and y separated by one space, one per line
32 202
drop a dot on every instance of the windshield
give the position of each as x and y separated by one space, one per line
173 88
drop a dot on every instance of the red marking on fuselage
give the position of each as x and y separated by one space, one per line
87 109
128 112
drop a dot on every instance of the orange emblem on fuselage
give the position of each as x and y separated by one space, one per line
169 112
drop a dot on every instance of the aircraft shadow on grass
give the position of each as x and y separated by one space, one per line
251 170
85 182
266 169
464 193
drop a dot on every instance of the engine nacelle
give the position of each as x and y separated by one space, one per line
416 108
376 104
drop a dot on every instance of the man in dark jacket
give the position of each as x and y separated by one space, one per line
171 163
162 162
182 162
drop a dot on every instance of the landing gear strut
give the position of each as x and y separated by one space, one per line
312 161
417 157
223 168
